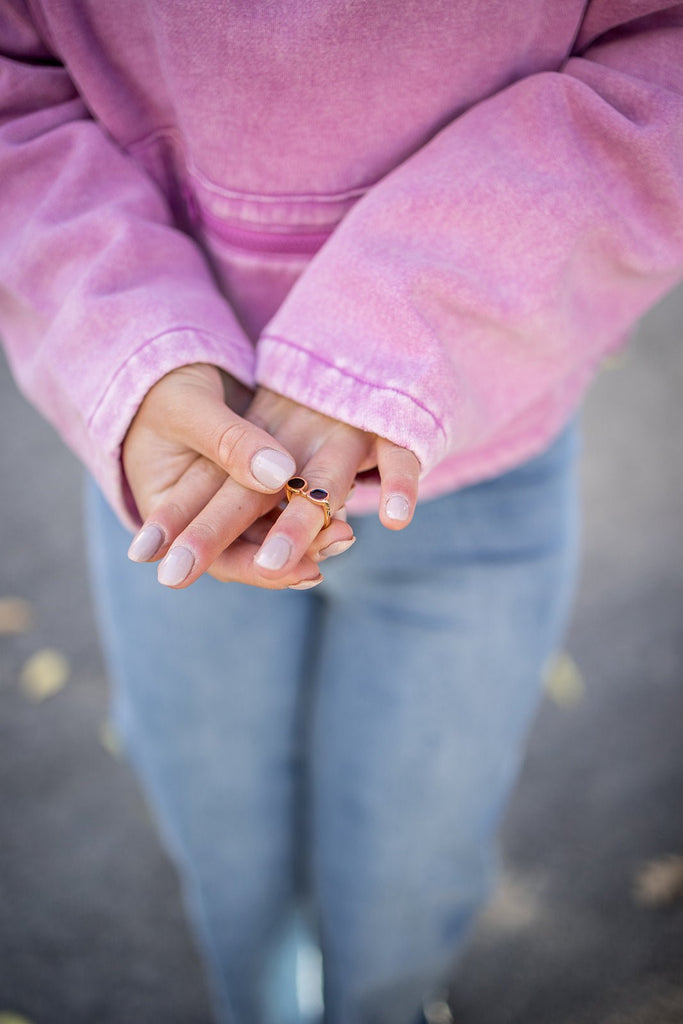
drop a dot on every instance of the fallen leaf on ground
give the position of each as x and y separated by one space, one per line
516 904
659 882
44 674
16 616
563 681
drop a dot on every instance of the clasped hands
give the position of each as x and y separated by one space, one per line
206 461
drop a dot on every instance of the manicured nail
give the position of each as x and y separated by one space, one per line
337 548
274 553
146 543
306 584
272 468
176 567
397 507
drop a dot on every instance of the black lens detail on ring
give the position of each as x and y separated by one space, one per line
297 483
318 494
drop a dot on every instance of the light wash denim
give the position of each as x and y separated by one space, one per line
352 745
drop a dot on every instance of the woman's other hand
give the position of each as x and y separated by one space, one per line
185 439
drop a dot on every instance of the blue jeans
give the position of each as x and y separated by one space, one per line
353 745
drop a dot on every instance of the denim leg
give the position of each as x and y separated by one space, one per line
208 689
431 654
415 667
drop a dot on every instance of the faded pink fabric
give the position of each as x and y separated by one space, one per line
429 219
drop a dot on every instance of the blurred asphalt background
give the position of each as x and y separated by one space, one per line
588 926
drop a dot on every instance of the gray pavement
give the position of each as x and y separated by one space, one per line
91 927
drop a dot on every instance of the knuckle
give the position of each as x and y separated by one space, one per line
203 538
171 513
230 440
322 476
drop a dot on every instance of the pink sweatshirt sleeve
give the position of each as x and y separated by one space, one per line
99 294
489 273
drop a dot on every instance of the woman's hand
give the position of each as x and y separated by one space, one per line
189 424
187 436
329 455
213 521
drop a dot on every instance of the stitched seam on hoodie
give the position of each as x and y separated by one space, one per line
207 183
354 376
143 345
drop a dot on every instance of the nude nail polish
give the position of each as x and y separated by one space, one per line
146 543
274 553
338 548
397 507
306 584
176 567
272 468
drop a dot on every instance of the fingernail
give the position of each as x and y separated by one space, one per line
175 567
146 543
397 507
306 584
337 548
272 468
274 553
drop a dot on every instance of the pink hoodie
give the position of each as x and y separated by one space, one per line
428 218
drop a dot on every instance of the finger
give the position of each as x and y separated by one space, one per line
332 468
329 548
236 565
203 515
235 515
399 472
333 541
221 521
203 422
177 509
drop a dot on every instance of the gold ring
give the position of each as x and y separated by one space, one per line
295 485
316 495
320 497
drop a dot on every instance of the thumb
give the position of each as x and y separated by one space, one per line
246 452
191 405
